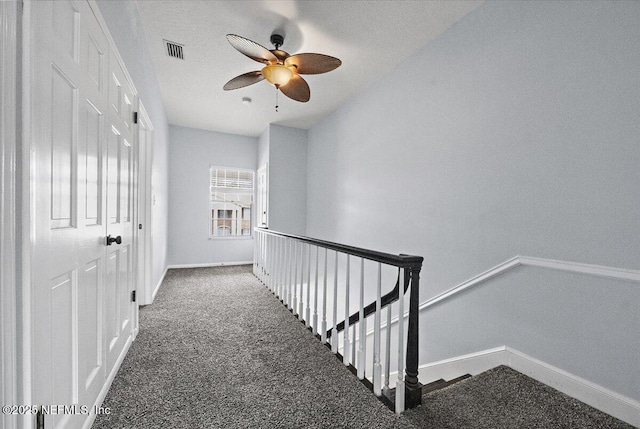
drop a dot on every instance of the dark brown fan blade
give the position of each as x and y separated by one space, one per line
251 49
297 89
313 63
244 80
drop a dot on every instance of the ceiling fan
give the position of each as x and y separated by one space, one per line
281 69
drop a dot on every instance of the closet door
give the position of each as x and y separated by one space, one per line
82 166
121 161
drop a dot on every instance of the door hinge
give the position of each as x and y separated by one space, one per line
39 419
139 226
135 117
133 296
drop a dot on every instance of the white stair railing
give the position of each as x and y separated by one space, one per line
284 264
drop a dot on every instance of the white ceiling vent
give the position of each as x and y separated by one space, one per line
174 49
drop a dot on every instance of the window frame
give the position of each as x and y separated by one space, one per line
239 219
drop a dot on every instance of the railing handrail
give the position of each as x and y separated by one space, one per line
400 261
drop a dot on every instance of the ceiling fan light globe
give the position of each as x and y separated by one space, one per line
277 74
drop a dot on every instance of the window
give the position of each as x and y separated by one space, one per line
231 198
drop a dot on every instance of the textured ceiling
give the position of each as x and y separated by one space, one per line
370 37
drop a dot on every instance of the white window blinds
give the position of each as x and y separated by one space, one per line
231 198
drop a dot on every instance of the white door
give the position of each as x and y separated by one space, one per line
145 245
120 179
263 196
81 157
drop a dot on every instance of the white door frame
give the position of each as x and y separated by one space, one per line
262 199
8 244
145 240
26 231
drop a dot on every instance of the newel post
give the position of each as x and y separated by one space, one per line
413 388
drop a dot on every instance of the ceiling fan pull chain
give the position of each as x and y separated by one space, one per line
277 98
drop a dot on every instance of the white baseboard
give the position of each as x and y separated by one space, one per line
473 363
157 288
207 265
601 398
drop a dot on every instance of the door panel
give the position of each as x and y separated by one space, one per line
63 148
63 335
92 154
120 192
65 20
83 164
125 289
89 322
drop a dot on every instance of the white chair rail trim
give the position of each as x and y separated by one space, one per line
528 261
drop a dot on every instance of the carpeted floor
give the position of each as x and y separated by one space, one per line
217 350
504 398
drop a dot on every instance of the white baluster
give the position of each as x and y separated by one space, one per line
301 310
269 256
265 268
324 301
255 259
278 261
274 257
289 268
259 244
294 303
315 296
308 312
362 342
353 344
255 255
285 271
291 281
334 335
377 368
262 252
282 269
387 354
400 380
345 346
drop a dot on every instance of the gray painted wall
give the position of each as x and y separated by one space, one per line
514 133
191 153
287 179
263 148
126 29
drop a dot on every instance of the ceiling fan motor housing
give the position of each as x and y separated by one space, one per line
277 40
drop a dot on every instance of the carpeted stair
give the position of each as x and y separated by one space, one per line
504 398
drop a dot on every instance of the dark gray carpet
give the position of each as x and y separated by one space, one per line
217 350
504 398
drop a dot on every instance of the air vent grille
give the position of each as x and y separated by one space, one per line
174 49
